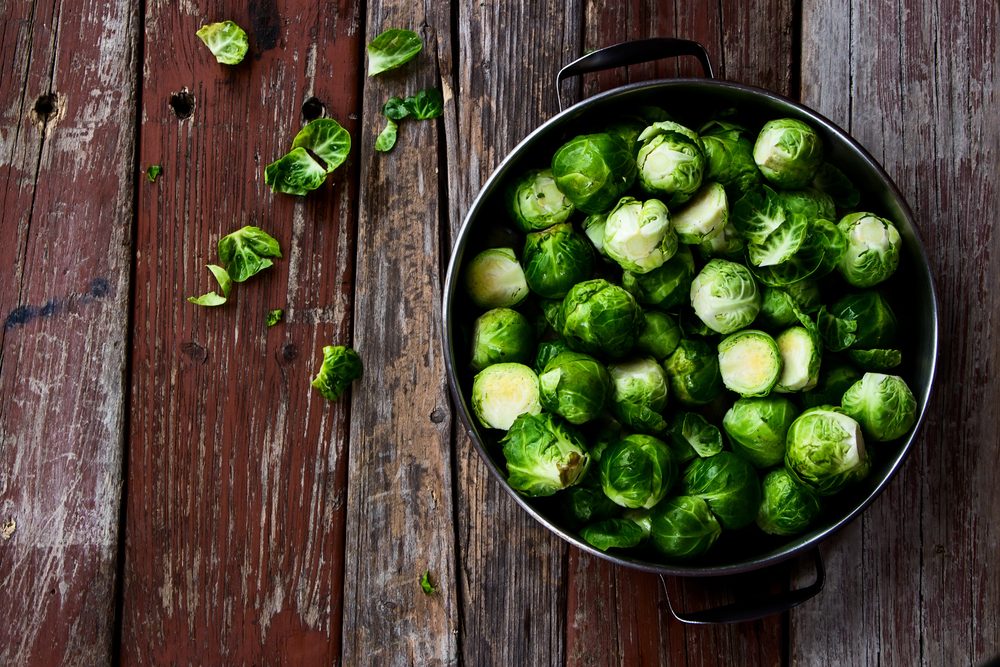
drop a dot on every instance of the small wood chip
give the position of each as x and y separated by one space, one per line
8 528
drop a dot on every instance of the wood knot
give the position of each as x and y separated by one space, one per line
46 110
195 351
437 415
182 104
289 352
312 109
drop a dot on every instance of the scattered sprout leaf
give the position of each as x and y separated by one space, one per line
214 298
275 316
326 139
341 366
153 172
425 105
226 40
391 49
295 173
387 137
245 252
395 109
426 585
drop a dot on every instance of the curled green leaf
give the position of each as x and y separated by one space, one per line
426 585
226 40
395 109
387 137
153 172
275 316
426 104
341 366
245 252
296 173
392 48
213 298
324 138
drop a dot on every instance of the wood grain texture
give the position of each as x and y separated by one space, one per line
914 581
400 495
66 175
237 472
512 571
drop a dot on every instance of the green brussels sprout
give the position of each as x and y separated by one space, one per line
724 296
728 156
606 432
574 386
638 235
500 335
800 359
808 203
787 507
226 40
729 484
536 203
555 259
586 501
637 471
495 279
757 428
683 527
777 308
627 130
882 404
594 171
703 217
832 385
693 372
872 253
874 321
543 455
832 181
593 227
691 435
502 392
552 313
818 255
341 366
659 335
639 394
727 243
825 450
600 318
773 234
750 362
547 351
670 162
615 533
788 152
881 360
666 286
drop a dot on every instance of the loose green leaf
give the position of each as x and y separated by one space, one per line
153 172
693 430
226 40
880 360
245 252
275 316
324 138
387 137
425 105
341 366
837 333
391 49
213 298
296 173
395 109
425 583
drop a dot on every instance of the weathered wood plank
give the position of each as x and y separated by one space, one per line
237 472
512 571
67 132
400 497
915 580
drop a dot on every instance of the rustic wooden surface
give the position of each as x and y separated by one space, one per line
264 525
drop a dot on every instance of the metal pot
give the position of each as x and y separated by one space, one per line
699 97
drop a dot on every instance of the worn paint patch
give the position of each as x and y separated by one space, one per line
266 24
23 314
8 528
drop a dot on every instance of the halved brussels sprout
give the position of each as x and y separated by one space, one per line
638 235
882 404
825 450
683 527
501 335
729 484
666 286
543 455
757 428
594 171
728 243
502 392
777 308
638 471
659 335
536 203
593 227
555 259
639 394
575 386
800 359
750 362
787 507
670 162
872 253
704 216
600 318
725 296
788 152
693 372
495 279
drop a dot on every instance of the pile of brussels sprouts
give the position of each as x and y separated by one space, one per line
686 334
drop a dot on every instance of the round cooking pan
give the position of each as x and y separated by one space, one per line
911 289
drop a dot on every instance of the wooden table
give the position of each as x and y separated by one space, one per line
173 491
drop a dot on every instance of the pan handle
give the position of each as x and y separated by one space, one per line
633 53
751 610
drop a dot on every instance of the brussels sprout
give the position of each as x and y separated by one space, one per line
881 360
692 435
729 484
872 253
809 204
825 450
501 335
552 314
773 233
556 259
670 162
750 362
226 40
659 335
683 527
728 156
594 171
600 318
639 394
593 227
666 286
787 507
832 385
727 243
693 372
502 392
543 455
638 235
874 321
574 386
777 308
547 351
614 533
757 428
495 279
818 255
800 359
704 216
586 501
882 404
832 181
788 153
725 296
627 130
638 471
341 366
536 203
